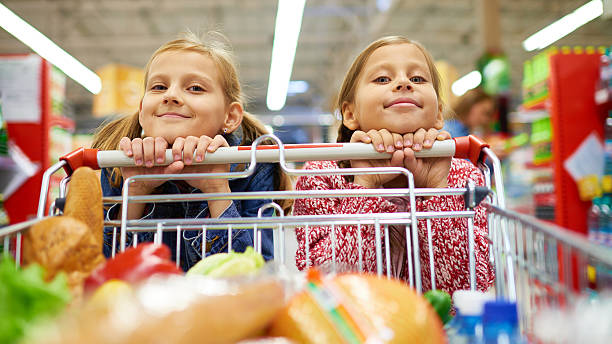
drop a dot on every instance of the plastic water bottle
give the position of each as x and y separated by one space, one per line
593 220
500 323
466 327
605 220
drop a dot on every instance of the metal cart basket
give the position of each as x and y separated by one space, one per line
536 264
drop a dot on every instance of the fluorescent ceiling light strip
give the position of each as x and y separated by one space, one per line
564 26
286 34
467 82
44 47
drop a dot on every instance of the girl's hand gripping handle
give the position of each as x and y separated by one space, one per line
468 147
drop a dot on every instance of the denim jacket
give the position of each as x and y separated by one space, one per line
216 240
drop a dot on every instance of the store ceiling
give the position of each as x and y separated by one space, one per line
98 32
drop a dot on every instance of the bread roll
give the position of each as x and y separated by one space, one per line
62 243
84 201
384 310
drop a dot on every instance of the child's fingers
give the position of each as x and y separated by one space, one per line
444 135
398 141
408 139
388 142
148 148
410 161
203 143
200 150
174 167
160 149
419 138
360 136
397 159
125 144
217 141
377 140
430 137
177 148
191 142
137 151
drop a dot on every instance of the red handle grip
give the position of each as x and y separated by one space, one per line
469 147
80 157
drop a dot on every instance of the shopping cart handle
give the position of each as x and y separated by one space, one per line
469 147
461 147
80 157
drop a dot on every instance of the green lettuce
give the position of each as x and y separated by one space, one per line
229 264
26 298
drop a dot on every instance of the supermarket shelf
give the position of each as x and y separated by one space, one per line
528 116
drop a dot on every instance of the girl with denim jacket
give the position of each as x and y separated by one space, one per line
193 104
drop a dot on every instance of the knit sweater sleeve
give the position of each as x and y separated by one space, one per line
345 237
450 236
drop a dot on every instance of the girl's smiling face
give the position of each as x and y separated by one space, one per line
394 92
183 97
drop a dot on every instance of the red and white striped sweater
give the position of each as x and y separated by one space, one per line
449 235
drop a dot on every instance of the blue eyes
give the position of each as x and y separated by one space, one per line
382 79
194 88
386 79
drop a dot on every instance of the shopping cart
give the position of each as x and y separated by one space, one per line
536 264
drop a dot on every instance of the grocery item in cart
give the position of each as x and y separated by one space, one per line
84 201
229 264
358 308
62 243
173 309
134 265
26 298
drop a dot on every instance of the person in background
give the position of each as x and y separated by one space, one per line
193 104
390 99
474 112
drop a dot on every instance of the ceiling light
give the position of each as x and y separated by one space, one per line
297 87
466 83
286 34
564 26
48 50
383 5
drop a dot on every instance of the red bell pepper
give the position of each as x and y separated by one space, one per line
134 265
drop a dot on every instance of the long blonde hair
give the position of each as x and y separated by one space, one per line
109 135
349 85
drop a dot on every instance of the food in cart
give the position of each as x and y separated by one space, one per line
84 201
441 302
71 243
65 244
173 309
27 299
229 264
358 308
134 265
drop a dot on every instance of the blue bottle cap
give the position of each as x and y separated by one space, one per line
500 312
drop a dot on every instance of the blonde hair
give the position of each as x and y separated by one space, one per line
397 240
349 85
108 136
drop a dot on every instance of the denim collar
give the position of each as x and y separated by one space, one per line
234 139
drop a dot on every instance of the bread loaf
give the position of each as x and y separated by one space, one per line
84 201
377 309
